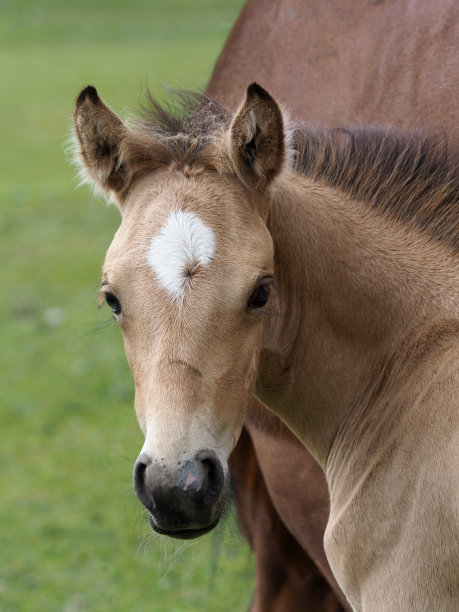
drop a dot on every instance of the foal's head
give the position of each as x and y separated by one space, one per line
187 275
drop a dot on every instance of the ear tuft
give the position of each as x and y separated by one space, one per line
257 138
256 90
100 133
88 92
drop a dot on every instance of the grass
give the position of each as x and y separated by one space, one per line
72 535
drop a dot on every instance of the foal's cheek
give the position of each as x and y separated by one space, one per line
133 359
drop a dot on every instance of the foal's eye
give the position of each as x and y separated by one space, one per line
260 296
114 303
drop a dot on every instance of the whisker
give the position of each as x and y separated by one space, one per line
98 326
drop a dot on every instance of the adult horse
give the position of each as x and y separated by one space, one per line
380 63
117 158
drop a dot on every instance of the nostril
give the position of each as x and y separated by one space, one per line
212 477
139 475
140 486
213 473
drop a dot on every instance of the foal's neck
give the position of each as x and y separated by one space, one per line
352 287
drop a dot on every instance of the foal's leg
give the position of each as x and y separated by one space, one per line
287 580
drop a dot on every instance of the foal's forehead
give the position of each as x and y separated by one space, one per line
177 226
217 201
173 210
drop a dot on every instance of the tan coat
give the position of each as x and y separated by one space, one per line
363 308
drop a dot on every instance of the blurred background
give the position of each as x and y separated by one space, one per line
72 535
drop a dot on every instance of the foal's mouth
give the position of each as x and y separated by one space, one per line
183 534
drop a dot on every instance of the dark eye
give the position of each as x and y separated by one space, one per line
260 296
114 303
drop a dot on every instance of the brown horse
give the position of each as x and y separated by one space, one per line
318 266
362 62
292 573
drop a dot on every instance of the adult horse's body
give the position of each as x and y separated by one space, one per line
382 63
358 365
377 62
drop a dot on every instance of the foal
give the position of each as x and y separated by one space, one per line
320 269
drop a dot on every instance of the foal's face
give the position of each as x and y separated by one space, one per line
188 274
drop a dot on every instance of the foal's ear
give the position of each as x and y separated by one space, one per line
257 138
99 133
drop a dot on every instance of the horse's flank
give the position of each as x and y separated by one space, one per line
359 356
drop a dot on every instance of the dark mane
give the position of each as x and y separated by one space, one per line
410 177
406 175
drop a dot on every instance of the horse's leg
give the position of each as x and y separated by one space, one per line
286 578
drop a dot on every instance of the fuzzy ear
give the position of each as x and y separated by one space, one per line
99 132
257 138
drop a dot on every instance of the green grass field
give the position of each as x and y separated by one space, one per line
72 535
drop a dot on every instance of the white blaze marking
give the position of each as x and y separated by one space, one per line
182 244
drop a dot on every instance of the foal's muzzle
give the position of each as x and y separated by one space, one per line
185 504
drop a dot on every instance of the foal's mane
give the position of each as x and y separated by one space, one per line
406 175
